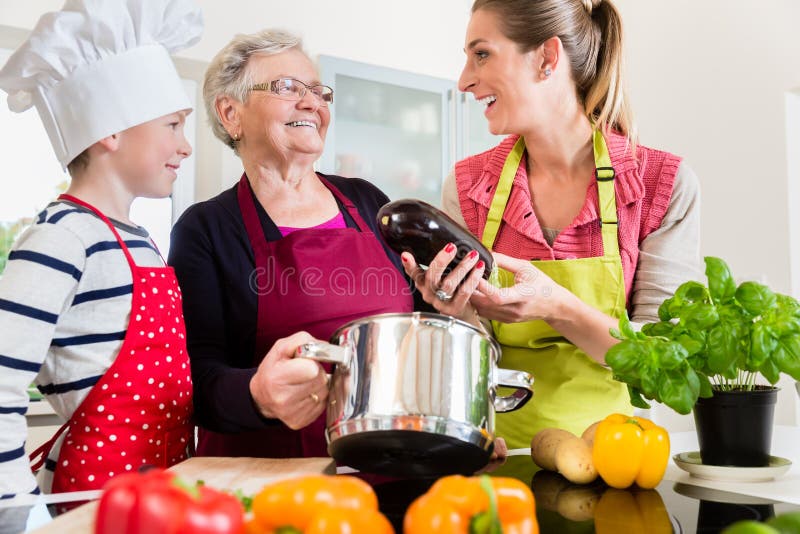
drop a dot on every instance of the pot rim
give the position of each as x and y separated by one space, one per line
419 316
762 389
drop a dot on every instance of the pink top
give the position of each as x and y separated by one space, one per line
643 189
336 222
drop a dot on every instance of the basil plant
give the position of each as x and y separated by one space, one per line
715 337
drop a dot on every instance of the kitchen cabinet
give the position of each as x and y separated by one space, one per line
474 136
400 130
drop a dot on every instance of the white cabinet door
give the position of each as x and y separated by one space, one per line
474 135
390 127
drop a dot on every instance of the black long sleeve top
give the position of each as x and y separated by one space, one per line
213 260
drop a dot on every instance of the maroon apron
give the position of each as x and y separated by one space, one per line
314 280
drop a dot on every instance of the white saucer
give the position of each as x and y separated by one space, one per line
692 464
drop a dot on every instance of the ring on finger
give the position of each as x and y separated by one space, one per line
443 296
314 397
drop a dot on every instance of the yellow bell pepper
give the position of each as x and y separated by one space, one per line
632 512
630 449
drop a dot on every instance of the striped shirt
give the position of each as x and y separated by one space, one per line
65 299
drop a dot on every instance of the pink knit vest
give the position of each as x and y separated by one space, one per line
643 189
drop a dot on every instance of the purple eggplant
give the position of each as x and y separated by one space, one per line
410 225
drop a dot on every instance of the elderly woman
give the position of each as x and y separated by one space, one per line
286 254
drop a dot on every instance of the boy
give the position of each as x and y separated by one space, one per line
88 310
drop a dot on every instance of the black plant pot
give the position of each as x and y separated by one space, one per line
735 427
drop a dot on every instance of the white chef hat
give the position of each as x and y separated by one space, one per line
98 67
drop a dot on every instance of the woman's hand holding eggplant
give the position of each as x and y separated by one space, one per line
534 295
459 284
291 389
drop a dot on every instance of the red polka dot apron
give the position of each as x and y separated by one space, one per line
139 411
319 308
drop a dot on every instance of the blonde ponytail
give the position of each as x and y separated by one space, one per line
605 99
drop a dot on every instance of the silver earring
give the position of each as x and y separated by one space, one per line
547 73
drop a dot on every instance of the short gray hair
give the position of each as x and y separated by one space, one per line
228 75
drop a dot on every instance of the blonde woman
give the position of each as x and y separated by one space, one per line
584 222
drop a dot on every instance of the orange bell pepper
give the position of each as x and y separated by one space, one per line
317 504
630 449
474 505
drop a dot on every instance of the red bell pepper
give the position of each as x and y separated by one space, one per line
157 502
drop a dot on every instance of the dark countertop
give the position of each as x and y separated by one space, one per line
674 506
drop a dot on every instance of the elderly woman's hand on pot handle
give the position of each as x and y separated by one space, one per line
533 296
291 389
449 294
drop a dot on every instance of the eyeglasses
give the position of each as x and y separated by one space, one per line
291 89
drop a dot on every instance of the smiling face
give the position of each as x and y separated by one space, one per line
499 75
272 126
150 153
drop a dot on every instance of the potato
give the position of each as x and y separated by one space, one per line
577 503
574 461
588 434
544 444
546 486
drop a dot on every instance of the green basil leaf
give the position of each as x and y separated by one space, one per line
664 310
787 356
732 313
762 344
636 398
692 380
785 324
691 291
693 341
722 348
676 304
626 356
787 303
625 327
720 280
651 381
706 390
699 362
770 371
675 392
755 298
700 316
616 334
661 328
670 354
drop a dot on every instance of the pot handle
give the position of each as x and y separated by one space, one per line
513 379
324 352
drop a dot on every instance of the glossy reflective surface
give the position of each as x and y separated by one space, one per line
563 507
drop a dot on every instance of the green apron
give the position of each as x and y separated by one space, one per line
571 391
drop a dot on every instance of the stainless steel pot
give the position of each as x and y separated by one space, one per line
415 394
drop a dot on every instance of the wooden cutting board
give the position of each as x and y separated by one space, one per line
247 474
